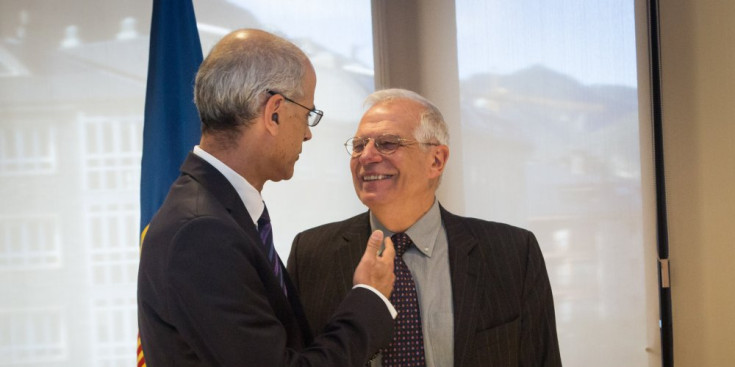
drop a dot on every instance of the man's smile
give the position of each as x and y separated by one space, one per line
375 177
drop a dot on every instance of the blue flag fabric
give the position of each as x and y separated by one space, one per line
171 125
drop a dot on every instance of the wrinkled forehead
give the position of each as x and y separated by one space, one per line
400 117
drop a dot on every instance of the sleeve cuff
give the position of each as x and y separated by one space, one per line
391 309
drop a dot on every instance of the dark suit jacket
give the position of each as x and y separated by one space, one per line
207 295
503 307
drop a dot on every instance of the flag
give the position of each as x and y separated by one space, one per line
171 124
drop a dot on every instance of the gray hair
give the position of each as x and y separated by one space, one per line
232 82
432 126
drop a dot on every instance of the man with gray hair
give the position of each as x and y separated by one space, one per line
212 291
468 292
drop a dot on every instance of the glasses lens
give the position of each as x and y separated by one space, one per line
357 144
314 117
387 144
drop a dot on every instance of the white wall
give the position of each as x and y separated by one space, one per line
698 60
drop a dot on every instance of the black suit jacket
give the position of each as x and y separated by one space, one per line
207 295
502 301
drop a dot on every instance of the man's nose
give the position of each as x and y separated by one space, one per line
307 134
370 153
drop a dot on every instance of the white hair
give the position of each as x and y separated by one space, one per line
432 127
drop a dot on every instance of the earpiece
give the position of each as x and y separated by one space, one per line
274 117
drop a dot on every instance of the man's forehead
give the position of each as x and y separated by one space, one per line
399 106
384 126
391 115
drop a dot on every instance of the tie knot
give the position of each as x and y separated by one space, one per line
264 217
402 242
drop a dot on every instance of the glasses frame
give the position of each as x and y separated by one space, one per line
318 113
402 142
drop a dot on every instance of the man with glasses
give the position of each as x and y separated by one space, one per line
212 291
468 292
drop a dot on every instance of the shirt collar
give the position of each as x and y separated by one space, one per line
248 194
423 233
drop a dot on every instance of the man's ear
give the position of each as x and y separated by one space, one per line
439 156
269 118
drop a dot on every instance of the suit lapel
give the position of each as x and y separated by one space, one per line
349 251
463 269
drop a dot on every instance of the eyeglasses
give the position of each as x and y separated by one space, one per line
314 115
385 144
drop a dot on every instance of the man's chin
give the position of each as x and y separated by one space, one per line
285 177
371 199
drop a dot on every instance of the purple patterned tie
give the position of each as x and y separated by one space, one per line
407 347
266 236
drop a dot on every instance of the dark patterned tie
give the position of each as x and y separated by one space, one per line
266 236
407 347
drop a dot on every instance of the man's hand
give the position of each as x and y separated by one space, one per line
377 270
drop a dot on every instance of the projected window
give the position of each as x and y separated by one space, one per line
550 143
27 150
114 322
28 243
32 337
111 240
111 152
